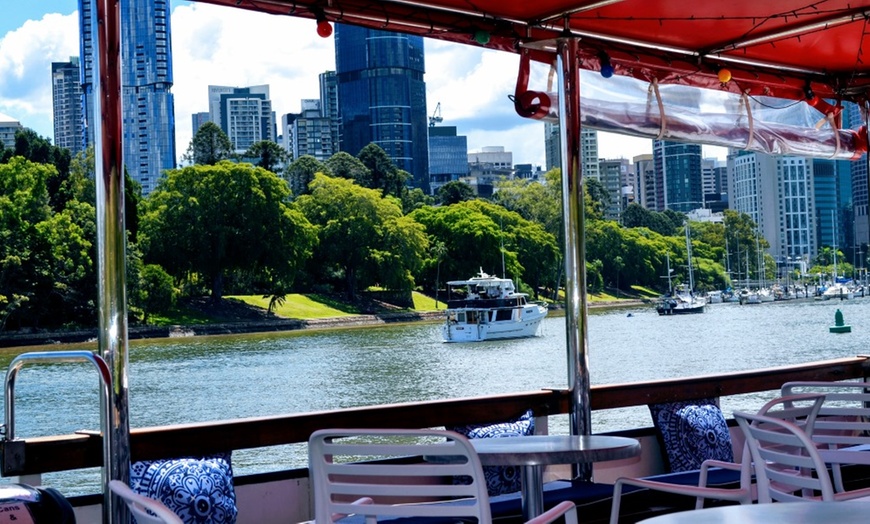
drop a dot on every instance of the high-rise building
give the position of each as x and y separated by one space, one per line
448 156
146 79
678 169
329 104
308 132
860 197
644 169
66 97
8 127
197 120
243 113
777 193
612 175
382 96
825 193
588 149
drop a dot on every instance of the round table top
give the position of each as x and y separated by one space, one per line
537 450
792 512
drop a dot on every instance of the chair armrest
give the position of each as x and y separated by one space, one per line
363 500
713 463
566 509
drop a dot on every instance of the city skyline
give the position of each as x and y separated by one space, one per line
471 84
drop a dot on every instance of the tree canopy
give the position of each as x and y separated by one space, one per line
383 174
211 220
266 154
454 192
209 146
301 172
364 238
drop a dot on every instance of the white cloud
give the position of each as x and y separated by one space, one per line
25 67
214 45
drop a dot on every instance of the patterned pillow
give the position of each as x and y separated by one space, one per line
692 432
197 490
501 479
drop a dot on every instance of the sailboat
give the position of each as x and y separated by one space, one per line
681 300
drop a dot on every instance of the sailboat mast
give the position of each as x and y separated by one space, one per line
689 259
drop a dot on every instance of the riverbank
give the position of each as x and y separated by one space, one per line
250 325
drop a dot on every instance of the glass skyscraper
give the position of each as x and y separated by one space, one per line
149 108
678 166
382 96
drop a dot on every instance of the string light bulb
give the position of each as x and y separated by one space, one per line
481 37
606 66
324 28
724 75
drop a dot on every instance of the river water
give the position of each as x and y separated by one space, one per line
197 379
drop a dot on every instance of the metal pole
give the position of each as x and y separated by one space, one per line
111 246
575 244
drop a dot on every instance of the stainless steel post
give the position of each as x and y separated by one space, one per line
111 243
575 244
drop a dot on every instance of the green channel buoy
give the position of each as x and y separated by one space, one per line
839 326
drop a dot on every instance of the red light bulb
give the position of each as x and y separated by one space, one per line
324 29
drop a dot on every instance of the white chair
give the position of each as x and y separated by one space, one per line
788 466
145 509
367 472
801 409
843 425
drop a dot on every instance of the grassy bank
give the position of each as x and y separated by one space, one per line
250 308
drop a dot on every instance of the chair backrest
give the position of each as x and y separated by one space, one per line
786 461
844 419
367 472
145 509
801 409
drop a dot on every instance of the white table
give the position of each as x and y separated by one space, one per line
790 512
534 452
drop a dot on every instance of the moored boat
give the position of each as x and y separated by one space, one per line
490 309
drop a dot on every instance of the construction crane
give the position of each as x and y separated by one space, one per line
436 116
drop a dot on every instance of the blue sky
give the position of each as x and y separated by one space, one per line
213 45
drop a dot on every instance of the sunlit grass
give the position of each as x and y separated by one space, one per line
301 306
426 303
645 291
180 316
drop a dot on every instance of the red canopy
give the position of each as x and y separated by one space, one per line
782 48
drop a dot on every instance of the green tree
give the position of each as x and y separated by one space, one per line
345 165
214 220
599 197
301 172
502 242
267 154
209 146
37 149
46 258
454 192
415 198
364 239
158 291
383 174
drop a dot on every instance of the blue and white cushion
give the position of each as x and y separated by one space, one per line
199 491
692 432
501 479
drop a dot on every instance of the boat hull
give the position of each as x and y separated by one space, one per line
524 322
679 309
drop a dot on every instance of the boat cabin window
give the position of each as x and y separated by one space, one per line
504 314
